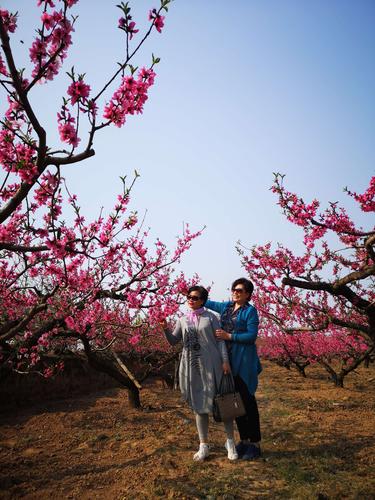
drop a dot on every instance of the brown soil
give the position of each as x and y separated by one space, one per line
318 442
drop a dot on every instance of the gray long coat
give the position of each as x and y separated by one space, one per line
201 360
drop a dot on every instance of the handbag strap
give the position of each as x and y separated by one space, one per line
226 384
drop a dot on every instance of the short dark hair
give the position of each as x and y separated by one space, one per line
203 293
247 284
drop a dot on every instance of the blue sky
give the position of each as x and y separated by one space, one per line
244 89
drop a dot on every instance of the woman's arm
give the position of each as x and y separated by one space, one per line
223 351
215 323
218 307
175 336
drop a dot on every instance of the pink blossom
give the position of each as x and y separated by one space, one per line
159 23
18 158
46 2
48 20
9 20
3 68
289 311
48 372
367 199
95 277
48 52
57 16
38 50
78 90
115 114
68 134
92 107
70 323
128 27
14 113
131 29
130 97
157 18
66 126
135 340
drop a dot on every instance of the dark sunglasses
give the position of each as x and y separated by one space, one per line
238 290
193 298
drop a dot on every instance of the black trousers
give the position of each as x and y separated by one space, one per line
248 425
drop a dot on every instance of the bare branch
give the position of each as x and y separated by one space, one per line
340 290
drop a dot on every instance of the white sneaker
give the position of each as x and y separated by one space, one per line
202 453
231 449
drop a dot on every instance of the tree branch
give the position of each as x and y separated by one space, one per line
22 248
340 290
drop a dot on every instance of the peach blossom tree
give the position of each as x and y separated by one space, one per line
84 286
318 306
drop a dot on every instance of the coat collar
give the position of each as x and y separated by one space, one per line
245 306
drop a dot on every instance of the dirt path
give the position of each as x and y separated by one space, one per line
317 441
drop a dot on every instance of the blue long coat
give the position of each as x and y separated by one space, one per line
243 353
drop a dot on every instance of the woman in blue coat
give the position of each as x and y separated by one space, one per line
239 328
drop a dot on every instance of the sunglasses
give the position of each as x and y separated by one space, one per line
193 298
238 290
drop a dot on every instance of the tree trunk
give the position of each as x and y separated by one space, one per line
339 382
134 399
105 362
338 378
301 368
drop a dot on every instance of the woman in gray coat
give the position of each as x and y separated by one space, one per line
204 359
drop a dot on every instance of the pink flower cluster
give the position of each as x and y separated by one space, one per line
44 192
15 114
327 347
78 91
367 199
297 296
9 20
135 339
67 127
316 225
17 157
50 49
157 19
97 280
297 211
128 26
130 97
50 3
3 68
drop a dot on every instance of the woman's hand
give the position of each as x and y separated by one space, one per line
222 334
226 368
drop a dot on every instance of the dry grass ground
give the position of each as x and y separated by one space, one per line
318 443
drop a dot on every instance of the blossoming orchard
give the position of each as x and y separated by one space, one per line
318 307
94 284
99 286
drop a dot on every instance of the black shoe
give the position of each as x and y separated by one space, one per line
241 448
251 452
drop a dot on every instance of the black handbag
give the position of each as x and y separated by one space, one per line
228 403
